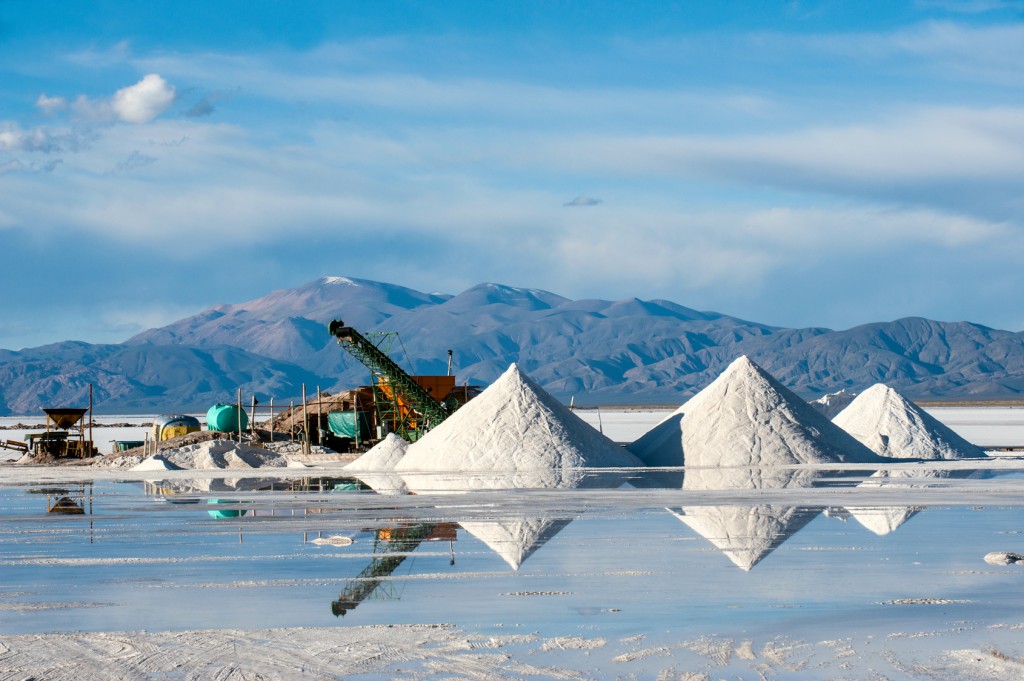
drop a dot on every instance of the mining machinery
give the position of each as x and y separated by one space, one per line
404 406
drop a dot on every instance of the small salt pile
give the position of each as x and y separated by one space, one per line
513 434
746 418
833 403
894 427
376 467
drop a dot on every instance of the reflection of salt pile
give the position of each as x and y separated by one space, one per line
747 418
833 403
376 467
516 431
746 534
515 540
513 435
894 427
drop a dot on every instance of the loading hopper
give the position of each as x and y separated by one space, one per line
64 417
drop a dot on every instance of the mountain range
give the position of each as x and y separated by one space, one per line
599 352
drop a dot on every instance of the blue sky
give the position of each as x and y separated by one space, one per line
796 163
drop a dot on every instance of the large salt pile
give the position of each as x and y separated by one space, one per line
376 467
514 433
833 403
747 418
894 427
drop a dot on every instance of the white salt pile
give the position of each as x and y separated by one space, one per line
155 463
376 467
894 427
747 418
382 457
833 403
514 430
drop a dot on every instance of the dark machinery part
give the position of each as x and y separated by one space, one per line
387 373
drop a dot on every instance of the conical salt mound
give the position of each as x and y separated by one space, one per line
894 427
376 467
747 418
516 540
833 403
514 426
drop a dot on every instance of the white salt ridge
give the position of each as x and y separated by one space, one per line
514 427
833 403
746 418
894 427
376 467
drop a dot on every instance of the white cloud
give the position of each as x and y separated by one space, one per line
582 200
51 105
144 101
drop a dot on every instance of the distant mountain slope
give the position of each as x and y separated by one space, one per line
627 351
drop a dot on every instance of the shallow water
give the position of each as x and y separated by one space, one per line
608 580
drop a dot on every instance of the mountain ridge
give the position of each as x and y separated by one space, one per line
629 351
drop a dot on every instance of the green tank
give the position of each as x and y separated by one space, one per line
224 418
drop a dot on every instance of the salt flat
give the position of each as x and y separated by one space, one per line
146 582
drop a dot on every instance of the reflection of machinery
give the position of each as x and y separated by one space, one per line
67 436
406 405
391 547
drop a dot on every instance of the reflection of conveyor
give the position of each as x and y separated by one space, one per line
391 547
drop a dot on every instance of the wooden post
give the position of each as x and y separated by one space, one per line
252 417
271 419
319 418
291 420
90 420
305 423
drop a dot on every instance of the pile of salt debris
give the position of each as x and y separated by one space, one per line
209 455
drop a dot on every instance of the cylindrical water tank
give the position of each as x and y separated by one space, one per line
225 418
173 425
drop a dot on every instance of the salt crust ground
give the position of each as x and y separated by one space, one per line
428 652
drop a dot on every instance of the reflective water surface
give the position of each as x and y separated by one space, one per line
824 569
